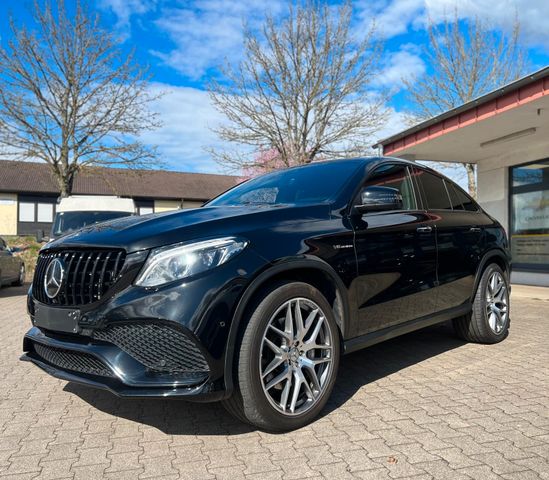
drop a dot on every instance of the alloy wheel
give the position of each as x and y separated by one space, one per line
296 356
497 302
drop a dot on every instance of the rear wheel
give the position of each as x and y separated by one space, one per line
288 359
489 319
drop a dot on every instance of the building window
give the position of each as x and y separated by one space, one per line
529 215
145 210
36 213
26 212
44 212
144 206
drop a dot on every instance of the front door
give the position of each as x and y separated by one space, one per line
396 257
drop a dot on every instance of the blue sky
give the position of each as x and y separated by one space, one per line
184 43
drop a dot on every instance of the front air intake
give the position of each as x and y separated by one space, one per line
72 360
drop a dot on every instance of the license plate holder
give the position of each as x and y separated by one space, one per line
56 319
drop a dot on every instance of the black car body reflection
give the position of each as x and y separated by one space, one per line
384 272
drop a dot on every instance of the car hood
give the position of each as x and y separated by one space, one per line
149 231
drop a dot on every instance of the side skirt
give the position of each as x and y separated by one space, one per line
378 336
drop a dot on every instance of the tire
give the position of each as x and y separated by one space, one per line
484 324
259 395
21 279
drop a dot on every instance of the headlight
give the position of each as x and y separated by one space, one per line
179 261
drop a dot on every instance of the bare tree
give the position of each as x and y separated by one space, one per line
466 61
70 97
301 91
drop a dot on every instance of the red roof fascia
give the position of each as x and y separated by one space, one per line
505 102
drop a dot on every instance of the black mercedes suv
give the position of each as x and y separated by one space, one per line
252 298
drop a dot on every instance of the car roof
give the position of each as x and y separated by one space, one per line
368 159
358 161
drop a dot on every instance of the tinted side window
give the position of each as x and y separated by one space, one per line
394 176
465 200
455 200
434 191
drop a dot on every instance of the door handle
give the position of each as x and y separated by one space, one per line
426 229
474 229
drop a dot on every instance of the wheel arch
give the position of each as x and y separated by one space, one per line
313 271
496 256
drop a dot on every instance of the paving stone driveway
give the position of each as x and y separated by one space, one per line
422 406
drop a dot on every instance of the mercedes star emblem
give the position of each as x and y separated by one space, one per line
53 280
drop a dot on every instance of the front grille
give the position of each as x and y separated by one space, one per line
72 360
159 347
88 275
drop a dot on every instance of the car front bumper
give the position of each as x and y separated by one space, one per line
200 393
106 366
161 342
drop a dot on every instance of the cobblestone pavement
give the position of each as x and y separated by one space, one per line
423 406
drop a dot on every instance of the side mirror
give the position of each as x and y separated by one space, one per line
379 199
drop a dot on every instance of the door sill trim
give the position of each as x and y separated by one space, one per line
378 336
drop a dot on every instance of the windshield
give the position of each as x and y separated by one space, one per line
66 222
313 183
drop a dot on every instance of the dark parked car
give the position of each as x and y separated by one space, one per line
12 268
252 298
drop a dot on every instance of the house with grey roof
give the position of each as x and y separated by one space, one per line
29 193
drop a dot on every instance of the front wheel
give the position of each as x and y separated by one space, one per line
489 319
288 360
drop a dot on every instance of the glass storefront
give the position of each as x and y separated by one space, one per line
529 214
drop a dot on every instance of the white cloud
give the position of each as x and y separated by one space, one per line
533 15
402 64
207 32
395 17
187 115
124 10
392 17
396 122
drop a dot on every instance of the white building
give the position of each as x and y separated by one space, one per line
506 133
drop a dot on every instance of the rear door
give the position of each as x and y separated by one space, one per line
458 234
396 257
